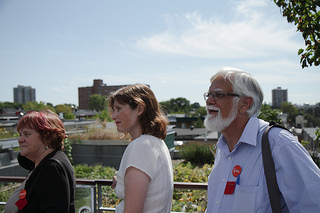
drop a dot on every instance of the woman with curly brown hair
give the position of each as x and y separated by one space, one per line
145 176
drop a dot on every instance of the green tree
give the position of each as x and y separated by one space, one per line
103 116
180 105
66 110
166 107
69 116
311 120
63 108
304 143
195 105
306 15
10 105
198 123
35 106
269 114
201 111
97 102
291 110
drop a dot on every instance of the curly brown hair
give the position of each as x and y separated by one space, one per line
152 120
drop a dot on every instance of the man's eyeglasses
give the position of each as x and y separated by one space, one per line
217 96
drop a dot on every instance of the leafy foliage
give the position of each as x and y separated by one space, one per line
97 102
98 171
188 172
183 200
35 106
201 111
311 120
197 152
304 143
69 116
68 149
7 134
98 132
269 114
10 105
83 171
291 110
103 116
178 106
66 110
6 191
198 123
306 15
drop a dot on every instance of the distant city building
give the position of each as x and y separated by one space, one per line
22 94
98 88
311 109
279 96
299 121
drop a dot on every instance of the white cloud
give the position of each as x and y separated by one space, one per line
281 72
250 32
248 6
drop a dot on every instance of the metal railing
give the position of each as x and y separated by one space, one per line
97 185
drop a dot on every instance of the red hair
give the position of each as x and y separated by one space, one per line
48 125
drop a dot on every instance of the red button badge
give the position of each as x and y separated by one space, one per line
23 194
236 171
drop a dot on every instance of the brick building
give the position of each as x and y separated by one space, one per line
98 88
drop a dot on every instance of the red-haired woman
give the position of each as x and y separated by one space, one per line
50 185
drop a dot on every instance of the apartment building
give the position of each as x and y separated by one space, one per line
279 96
24 94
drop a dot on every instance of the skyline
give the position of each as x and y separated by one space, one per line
120 85
173 46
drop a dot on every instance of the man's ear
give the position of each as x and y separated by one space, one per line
140 109
245 104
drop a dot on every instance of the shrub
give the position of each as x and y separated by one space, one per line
98 171
98 131
197 152
68 149
6 191
186 200
7 134
187 172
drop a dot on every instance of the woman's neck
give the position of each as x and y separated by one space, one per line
43 155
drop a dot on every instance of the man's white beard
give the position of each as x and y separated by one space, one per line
218 123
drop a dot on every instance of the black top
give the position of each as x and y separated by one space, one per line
25 162
51 186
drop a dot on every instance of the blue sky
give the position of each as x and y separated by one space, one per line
172 45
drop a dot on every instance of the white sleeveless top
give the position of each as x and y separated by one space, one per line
150 155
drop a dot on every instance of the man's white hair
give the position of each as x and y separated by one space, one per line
243 84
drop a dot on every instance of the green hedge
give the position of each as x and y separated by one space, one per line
199 153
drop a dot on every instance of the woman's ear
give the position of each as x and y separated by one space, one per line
47 142
245 104
140 109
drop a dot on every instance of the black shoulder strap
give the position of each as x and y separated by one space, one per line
269 170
